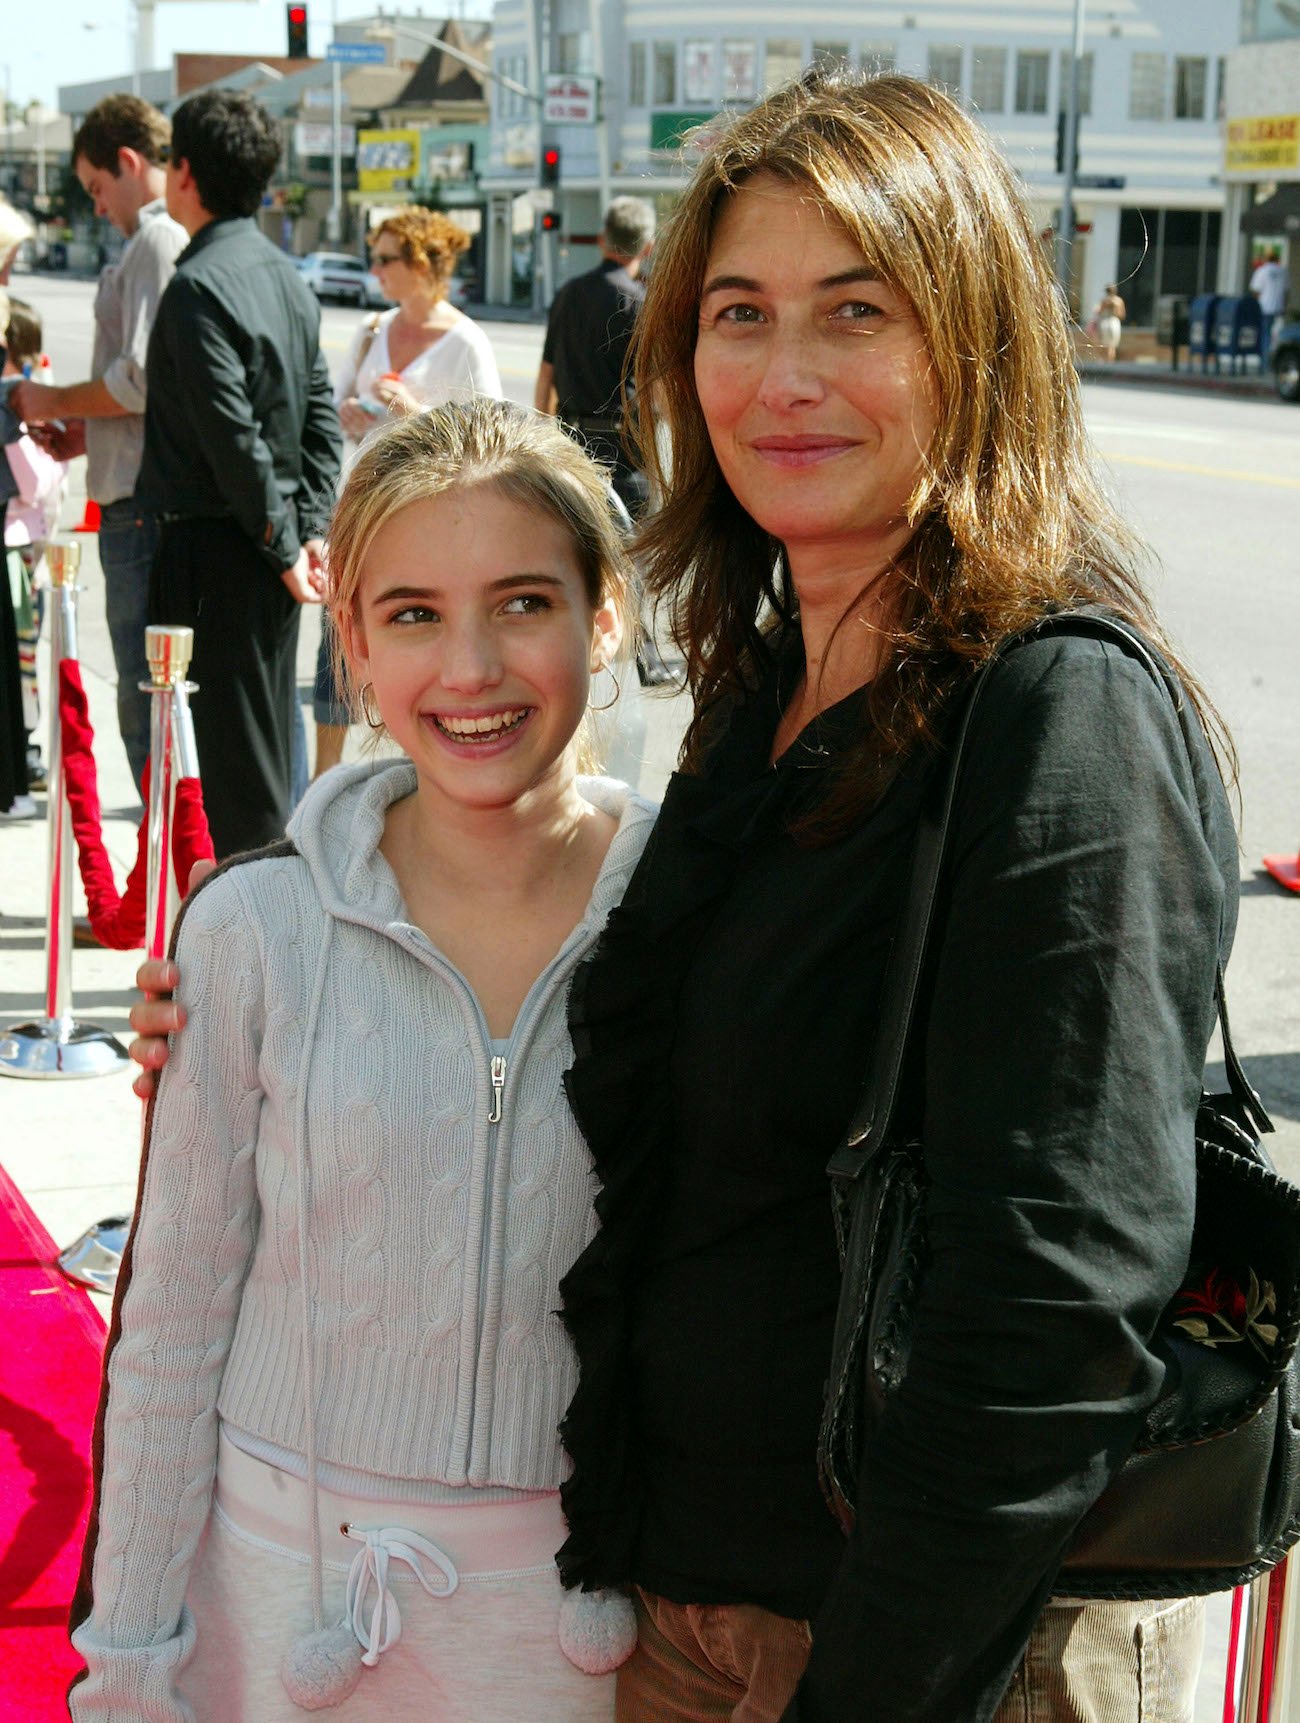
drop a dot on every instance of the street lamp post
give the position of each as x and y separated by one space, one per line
1069 145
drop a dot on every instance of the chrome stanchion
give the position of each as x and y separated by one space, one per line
96 1257
1269 1649
56 1045
171 755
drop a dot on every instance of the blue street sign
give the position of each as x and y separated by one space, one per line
357 53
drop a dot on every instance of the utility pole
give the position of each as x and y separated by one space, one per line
1070 143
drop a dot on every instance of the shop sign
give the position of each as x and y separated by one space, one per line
387 161
1263 146
570 100
310 139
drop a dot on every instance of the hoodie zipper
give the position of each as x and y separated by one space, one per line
497 1071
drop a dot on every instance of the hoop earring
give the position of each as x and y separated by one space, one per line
617 691
365 697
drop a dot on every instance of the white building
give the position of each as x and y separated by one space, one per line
1149 202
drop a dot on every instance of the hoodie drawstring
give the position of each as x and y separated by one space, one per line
383 1545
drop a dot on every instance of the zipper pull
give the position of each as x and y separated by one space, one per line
498 1088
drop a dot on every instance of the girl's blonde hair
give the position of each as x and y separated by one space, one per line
1008 516
518 453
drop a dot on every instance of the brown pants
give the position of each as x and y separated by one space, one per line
1085 1663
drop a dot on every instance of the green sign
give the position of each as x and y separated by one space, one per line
667 130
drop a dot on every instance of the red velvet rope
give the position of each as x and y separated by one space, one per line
118 921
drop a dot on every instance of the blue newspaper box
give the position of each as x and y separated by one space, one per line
1200 327
1237 330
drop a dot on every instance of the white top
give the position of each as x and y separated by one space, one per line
460 363
1269 283
126 303
336 1074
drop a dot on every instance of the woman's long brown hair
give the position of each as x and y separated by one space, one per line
1009 519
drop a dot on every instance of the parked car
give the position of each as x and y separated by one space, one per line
339 276
1284 357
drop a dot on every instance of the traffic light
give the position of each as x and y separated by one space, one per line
551 165
297 17
1060 144
551 221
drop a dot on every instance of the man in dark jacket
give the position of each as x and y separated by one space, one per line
581 374
241 454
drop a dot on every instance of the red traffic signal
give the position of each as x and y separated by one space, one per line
550 166
551 221
297 21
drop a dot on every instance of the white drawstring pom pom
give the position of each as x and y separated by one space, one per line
597 1630
321 1669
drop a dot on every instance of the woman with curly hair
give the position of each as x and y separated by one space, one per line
423 352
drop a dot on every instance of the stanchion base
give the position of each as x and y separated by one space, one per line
50 1048
94 1259
1285 870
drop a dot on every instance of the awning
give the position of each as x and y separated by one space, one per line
1277 214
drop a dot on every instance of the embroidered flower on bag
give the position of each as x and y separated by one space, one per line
1218 1313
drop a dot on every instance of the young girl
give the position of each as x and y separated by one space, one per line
39 480
336 1370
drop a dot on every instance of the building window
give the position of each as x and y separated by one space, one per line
943 65
665 61
830 56
878 56
1166 251
568 50
739 71
1190 74
1220 80
1085 84
784 62
699 69
988 80
1032 72
636 75
1146 90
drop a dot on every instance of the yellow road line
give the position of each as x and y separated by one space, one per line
1275 479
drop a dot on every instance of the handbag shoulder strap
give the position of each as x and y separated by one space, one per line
874 1116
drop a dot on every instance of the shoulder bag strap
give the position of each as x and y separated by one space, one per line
876 1110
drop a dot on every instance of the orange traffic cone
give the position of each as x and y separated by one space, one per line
90 520
1285 870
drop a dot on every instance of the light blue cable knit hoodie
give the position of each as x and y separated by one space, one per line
321 1019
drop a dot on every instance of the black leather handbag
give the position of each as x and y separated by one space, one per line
1210 1495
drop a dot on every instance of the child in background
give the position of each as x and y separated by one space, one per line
30 518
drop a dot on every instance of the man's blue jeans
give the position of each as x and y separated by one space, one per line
127 541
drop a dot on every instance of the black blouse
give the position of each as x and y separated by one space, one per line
723 1031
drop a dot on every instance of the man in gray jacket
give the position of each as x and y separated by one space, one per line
119 155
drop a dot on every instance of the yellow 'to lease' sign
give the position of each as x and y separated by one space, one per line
1265 143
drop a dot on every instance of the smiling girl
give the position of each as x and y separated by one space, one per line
336 1371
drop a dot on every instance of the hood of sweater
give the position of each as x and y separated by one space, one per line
338 826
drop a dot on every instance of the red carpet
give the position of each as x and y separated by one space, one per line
51 1337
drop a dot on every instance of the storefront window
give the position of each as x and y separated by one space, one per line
943 66
699 71
636 75
665 91
1146 90
1190 72
739 71
784 62
878 56
1166 251
1032 72
988 79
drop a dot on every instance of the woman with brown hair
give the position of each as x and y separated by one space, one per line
879 473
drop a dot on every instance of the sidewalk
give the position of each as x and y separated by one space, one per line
1158 374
